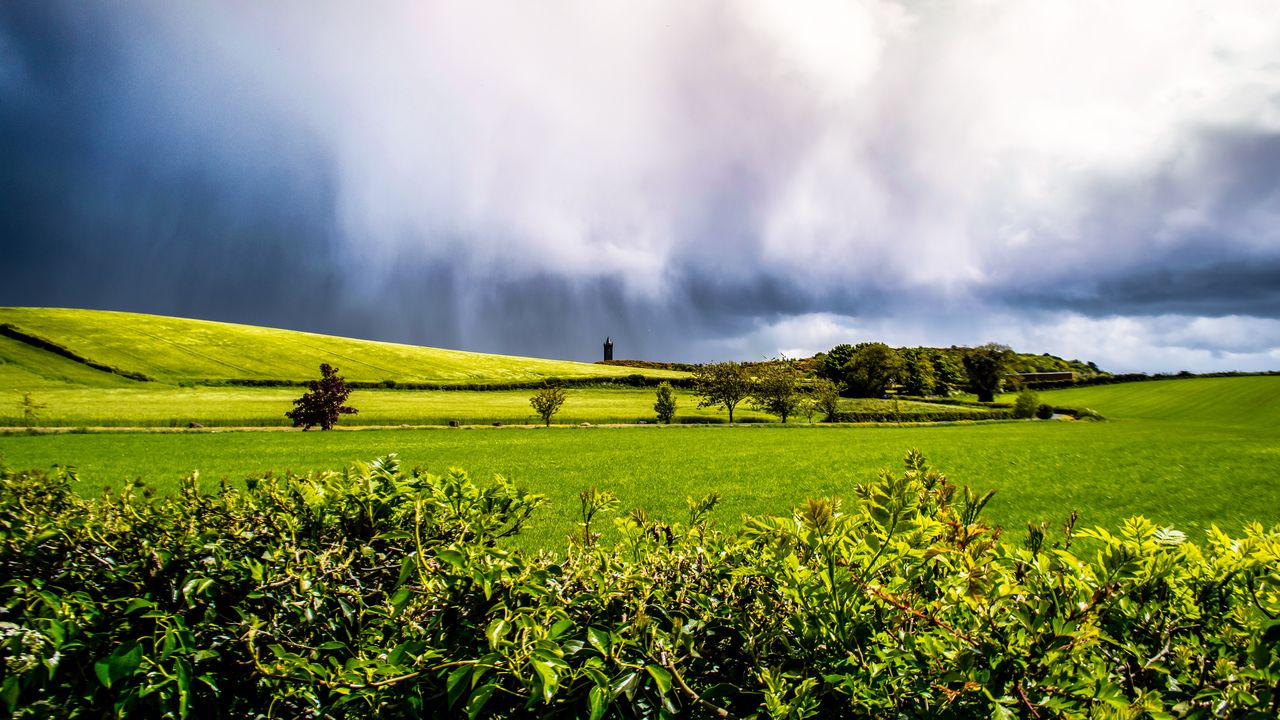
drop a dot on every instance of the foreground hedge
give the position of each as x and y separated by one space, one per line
381 592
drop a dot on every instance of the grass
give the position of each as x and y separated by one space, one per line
174 350
1177 473
1183 452
154 405
1221 401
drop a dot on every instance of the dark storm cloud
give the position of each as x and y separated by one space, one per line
698 181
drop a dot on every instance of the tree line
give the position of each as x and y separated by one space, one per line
782 387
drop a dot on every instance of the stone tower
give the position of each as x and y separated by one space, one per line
608 349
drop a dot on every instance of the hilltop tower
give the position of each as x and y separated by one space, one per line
608 349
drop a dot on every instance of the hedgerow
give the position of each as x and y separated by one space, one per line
380 591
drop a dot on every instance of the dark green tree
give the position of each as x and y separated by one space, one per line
918 374
831 363
871 370
987 366
776 389
322 404
665 403
547 402
948 370
722 385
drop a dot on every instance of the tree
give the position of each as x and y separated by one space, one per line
322 403
722 384
831 363
948 370
826 396
30 409
986 366
807 407
873 367
775 388
665 403
547 401
1024 407
918 374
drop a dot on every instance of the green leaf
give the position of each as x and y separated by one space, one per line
626 683
496 631
183 669
120 664
476 702
453 557
550 679
561 628
138 604
400 599
660 676
456 685
598 702
599 640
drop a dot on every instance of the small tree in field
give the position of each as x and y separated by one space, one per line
30 409
322 403
807 408
665 404
547 401
826 396
775 390
722 384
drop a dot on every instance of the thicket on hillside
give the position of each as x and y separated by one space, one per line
382 592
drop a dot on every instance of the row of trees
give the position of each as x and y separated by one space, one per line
774 386
870 369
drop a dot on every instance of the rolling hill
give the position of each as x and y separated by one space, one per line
55 347
1252 401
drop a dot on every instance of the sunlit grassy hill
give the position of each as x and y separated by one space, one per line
1252 401
173 350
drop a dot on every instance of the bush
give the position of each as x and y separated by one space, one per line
1024 407
547 401
665 404
1045 412
380 592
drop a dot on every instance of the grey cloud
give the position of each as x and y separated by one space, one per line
688 179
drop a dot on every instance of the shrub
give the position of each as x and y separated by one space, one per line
547 401
665 403
380 592
1024 407
1045 412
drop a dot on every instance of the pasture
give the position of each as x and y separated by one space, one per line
1177 471
178 350
154 405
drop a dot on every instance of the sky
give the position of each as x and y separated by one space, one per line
700 180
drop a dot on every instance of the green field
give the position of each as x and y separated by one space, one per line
154 405
178 350
1187 452
1188 468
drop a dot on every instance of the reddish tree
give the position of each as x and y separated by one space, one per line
322 404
